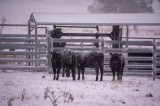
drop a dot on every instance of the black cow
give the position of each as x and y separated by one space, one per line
117 63
57 56
69 63
90 60
65 59
56 63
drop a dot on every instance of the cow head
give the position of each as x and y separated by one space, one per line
115 54
115 59
56 56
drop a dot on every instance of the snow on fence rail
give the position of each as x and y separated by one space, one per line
77 44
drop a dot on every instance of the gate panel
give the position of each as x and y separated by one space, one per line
15 49
156 72
138 56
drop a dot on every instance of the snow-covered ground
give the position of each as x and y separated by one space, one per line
27 89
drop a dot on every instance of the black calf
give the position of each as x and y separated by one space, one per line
117 63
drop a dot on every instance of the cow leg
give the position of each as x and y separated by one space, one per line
113 72
54 74
120 78
58 71
118 75
67 72
73 74
97 72
83 74
121 74
101 69
79 72
63 72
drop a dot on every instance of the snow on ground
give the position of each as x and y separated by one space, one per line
133 91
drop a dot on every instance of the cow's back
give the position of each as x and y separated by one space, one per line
69 58
90 59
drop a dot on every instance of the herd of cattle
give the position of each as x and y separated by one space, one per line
69 60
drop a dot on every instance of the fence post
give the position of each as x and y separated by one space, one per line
154 59
102 44
127 37
48 53
36 42
29 32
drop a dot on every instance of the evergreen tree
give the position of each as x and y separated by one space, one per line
121 6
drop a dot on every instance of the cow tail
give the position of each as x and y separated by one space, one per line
122 62
76 60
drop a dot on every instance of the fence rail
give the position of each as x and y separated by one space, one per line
17 67
21 46
76 40
22 35
21 60
21 52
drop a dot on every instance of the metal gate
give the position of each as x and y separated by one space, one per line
17 52
138 53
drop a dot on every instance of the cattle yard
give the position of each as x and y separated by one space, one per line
25 60
32 51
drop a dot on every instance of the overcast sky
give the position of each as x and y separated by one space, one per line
18 11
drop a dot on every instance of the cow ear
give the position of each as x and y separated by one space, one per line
111 54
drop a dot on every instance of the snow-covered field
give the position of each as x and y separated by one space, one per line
28 89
